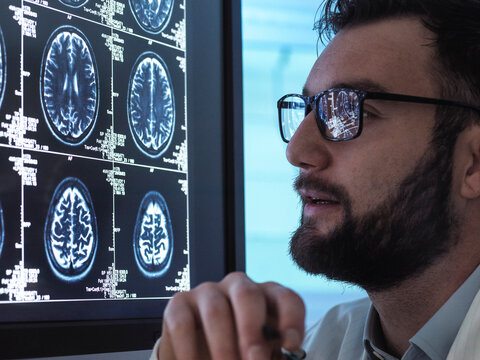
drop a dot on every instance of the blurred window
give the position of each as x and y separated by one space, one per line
279 48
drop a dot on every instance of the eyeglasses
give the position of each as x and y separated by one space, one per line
339 112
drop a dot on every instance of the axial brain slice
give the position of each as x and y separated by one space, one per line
71 231
152 15
3 65
2 229
69 86
74 3
153 238
151 109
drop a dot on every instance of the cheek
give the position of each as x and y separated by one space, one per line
372 167
377 177
370 187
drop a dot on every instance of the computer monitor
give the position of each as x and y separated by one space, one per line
121 177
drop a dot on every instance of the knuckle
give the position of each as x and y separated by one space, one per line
272 285
282 292
178 300
177 309
215 306
290 294
290 306
235 276
178 322
206 287
294 302
246 291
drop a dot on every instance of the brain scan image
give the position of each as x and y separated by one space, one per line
152 15
151 110
2 229
3 67
69 86
153 237
74 3
71 231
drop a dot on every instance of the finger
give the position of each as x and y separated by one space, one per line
165 349
180 329
250 313
289 311
217 319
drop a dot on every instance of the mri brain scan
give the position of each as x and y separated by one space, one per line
3 67
69 86
153 237
151 110
2 229
71 231
152 15
74 3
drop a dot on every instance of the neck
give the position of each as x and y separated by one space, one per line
404 310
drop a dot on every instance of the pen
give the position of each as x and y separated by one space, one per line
270 333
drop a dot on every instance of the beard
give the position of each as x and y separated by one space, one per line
395 241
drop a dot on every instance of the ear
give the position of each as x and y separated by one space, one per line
469 155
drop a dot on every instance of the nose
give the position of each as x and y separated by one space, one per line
307 148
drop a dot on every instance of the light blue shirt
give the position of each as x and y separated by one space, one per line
352 330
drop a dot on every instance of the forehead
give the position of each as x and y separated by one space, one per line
396 54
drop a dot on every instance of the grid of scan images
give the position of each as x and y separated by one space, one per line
93 150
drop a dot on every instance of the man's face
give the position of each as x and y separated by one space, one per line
368 201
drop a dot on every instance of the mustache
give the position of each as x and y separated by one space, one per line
310 182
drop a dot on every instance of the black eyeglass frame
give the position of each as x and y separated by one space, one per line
362 96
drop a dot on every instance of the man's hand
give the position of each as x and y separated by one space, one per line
226 320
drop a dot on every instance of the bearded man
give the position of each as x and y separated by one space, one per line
386 136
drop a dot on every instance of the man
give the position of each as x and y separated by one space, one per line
389 174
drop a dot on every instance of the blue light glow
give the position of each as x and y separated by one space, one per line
2 230
152 15
3 67
74 3
151 108
71 234
153 236
69 86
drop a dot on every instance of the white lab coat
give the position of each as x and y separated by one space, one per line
466 345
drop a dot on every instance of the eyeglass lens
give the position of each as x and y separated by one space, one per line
340 112
292 112
337 111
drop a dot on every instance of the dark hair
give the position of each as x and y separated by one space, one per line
455 25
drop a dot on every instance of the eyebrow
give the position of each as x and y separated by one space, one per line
363 84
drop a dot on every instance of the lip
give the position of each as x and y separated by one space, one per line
314 210
317 202
311 195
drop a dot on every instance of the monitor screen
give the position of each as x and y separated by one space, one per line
102 150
